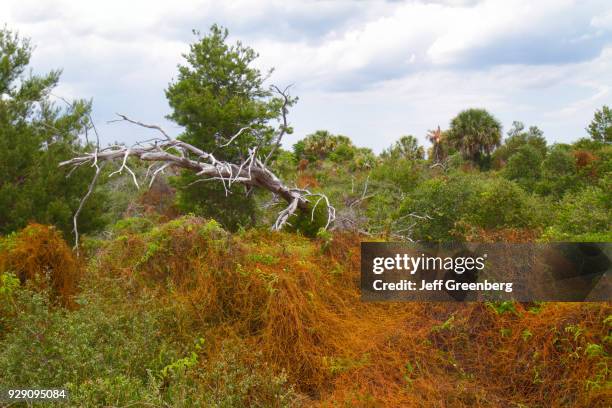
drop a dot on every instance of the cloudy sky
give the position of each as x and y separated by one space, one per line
372 70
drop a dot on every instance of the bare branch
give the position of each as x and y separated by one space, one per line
365 187
160 169
251 172
235 136
420 217
135 122
284 112
75 227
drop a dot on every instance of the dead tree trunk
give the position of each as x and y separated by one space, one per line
168 152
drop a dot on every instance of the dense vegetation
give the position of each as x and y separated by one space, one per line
166 308
186 314
35 134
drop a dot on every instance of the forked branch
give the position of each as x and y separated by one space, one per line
164 152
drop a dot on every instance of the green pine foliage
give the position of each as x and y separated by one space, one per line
217 93
35 135
600 127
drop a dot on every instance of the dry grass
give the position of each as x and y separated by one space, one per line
39 255
297 302
306 180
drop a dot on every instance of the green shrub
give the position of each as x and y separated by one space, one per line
524 167
501 203
284 165
50 346
231 209
343 153
518 137
364 159
322 145
309 222
444 200
407 148
113 353
584 215
133 225
558 172
456 161
468 199
397 174
233 381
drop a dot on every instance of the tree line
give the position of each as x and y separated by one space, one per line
219 97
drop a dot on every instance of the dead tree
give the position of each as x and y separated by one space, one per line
164 152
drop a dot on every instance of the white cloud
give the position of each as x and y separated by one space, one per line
603 21
559 99
369 69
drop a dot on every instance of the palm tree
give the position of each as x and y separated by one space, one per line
407 147
475 132
435 138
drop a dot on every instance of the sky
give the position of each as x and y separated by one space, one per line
371 70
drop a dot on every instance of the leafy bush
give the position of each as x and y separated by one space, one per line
501 203
284 164
524 167
558 172
397 174
50 346
308 222
132 225
364 159
599 167
233 380
584 215
468 200
518 138
407 148
210 200
444 199
92 352
456 161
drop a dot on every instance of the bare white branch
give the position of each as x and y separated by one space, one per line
135 122
251 172
75 227
235 136
284 112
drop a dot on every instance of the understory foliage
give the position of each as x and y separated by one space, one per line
533 191
186 314
322 145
